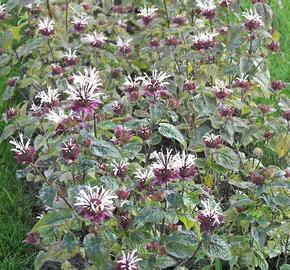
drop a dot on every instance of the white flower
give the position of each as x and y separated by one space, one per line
243 78
144 174
86 85
2 10
130 83
210 137
94 38
48 97
80 20
46 25
221 87
96 199
147 12
35 108
252 15
184 160
128 262
164 160
212 211
205 4
20 146
204 37
119 167
35 4
56 116
123 42
70 54
122 23
157 78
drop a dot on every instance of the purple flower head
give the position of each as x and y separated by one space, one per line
85 91
203 41
274 46
179 20
186 165
49 98
189 86
124 46
221 89
123 134
95 203
212 141
70 150
226 111
277 85
144 133
46 27
206 8
128 261
257 178
147 14
142 176
286 115
10 114
23 153
243 83
79 23
2 11
155 84
226 3
164 168
70 58
120 168
96 40
210 217
253 20
172 41
56 69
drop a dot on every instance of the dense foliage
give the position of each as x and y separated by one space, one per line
142 128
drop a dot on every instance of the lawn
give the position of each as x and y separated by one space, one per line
17 201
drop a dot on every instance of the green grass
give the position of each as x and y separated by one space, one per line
16 204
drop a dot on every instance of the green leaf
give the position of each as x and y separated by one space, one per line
47 195
259 234
216 247
187 221
171 132
8 93
285 267
149 215
227 158
54 218
103 148
179 250
265 12
7 132
97 249
165 262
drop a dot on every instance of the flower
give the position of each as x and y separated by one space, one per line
2 11
123 134
253 20
96 203
155 84
49 98
85 91
70 150
96 40
144 174
80 23
189 86
144 133
128 262
147 14
274 46
225 111
226 3
56 69
179 20
46 27
212 141
206 8
131 85
172 41
36 110
203 41
243 82
221 89
257 178
120 168
185 164
34 7
9 114
124 46
23 153
164 168
117 107
70 58
286 115
277 85
210 218
56 116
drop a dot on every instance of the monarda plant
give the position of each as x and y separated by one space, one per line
143 126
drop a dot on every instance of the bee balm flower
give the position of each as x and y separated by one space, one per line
49 98
85 91
226 3
186 165
124 46
210 218
23 153
221 90
120 168
70 58
96 203
70 150
10 113
79 23
253 20
128 262
203 41
147 14
123 134
212 141
206 8
46 27
96 40
2 11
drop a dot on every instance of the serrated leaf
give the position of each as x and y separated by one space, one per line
171 132
265 12
165 262
149 215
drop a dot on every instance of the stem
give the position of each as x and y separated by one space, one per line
48 43
95 126
166 11
286 250
66 15
192 258
49 9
